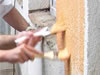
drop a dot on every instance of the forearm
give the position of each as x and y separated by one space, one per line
7 41
14 19
2 56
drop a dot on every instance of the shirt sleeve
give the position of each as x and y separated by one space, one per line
5 7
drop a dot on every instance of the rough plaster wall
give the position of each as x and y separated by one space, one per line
94 37
42 19
70 13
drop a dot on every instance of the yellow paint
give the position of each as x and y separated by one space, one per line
70 18
63 54
60 25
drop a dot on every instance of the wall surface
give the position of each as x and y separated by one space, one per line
38 4
70 18
93 49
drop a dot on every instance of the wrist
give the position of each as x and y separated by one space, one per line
30 28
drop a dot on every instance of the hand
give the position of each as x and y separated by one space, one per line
25 40
30 40
21 54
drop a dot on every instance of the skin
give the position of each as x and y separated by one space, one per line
14 19
24 51
20 54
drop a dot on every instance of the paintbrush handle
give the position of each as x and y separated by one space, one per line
49 55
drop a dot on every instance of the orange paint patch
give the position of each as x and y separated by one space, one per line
70 18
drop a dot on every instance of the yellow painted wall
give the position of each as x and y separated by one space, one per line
70 18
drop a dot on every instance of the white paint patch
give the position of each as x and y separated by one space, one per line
86 39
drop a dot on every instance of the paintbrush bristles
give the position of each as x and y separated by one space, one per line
49 55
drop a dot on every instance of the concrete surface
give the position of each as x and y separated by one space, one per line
42 19
38 4
93 44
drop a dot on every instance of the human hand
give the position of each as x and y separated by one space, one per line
21 54
29 39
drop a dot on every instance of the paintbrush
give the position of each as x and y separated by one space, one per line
48 55
43 32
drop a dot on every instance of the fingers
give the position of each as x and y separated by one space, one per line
26 50
25 41
30 38
19 55
23 57
31 52
34 51
34 40
24 37
28 53
24 33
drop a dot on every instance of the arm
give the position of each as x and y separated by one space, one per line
14 19
7 41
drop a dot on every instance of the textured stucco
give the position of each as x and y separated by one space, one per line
93 49
70 18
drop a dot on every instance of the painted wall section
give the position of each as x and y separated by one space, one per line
70 19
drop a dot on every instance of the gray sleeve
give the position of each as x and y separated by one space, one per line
1 1
5 7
